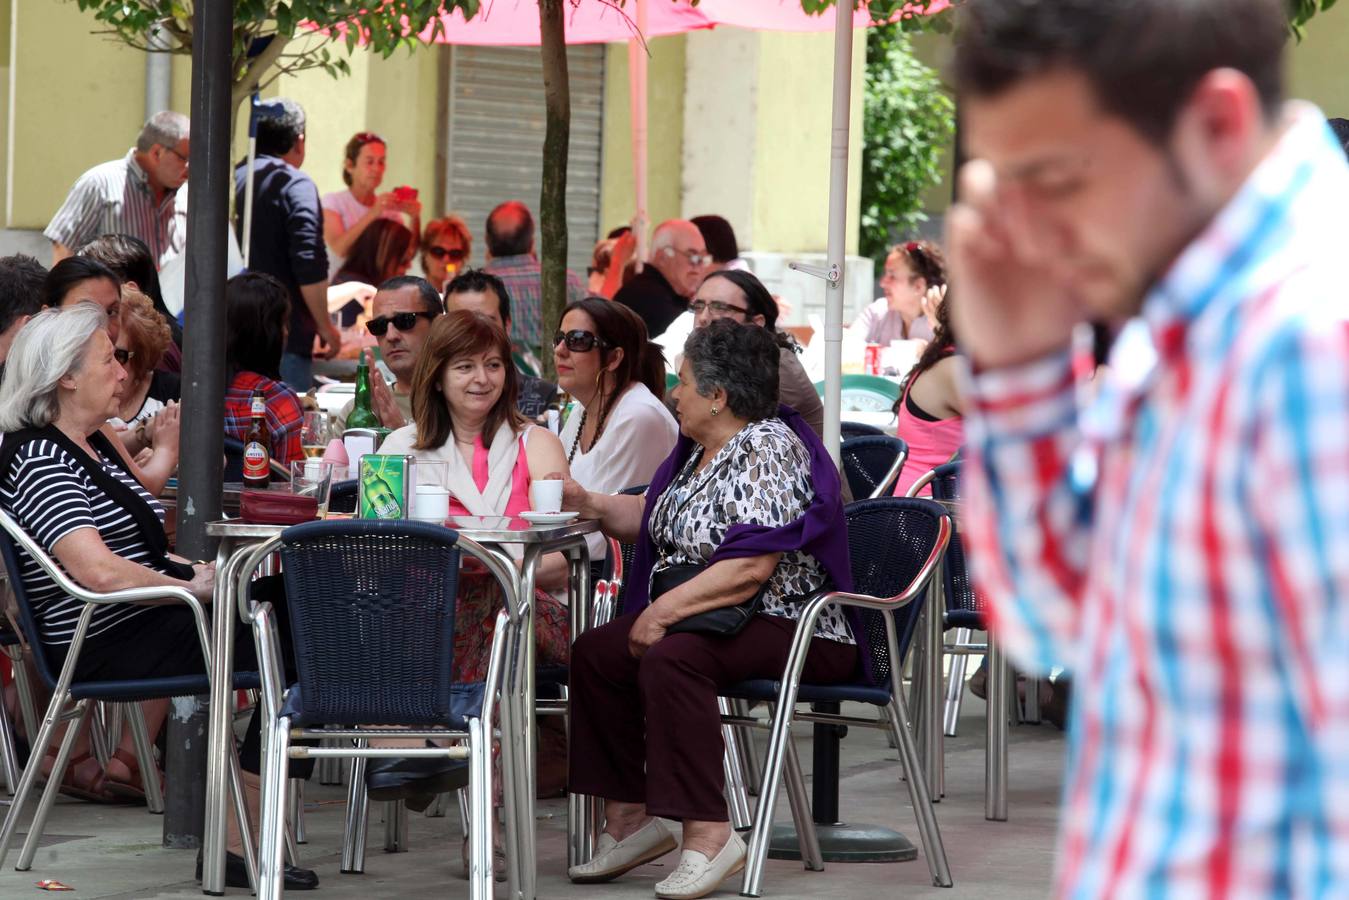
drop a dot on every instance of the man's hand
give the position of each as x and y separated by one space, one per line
163 430
1007 306
330 338
646 631
381 397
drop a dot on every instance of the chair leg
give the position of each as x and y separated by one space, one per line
23 685
757 854
933 849
799 799
479 831
145 757
749 751
438 806
737 799
395 827
296 816
9 760
241 813
955 688
53 785
271 871
358 814
995 750
1030 706
98 733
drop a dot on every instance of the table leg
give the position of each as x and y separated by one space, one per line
220 732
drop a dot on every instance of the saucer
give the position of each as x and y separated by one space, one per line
543 518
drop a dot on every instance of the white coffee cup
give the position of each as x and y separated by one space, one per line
545 495
431 503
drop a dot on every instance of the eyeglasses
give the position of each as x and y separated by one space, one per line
123 356
717 307
403 321
456 255
175 153
579 341
693 256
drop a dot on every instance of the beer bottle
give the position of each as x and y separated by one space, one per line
258 446
362 415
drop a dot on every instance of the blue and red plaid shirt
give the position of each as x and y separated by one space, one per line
1182 547
285 416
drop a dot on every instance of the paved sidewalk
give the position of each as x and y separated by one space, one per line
110 852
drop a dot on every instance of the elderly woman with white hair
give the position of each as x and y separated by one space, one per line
65 484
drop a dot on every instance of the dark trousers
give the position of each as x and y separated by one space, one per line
648 731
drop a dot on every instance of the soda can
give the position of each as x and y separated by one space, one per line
871 363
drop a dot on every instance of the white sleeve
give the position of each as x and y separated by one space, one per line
635 445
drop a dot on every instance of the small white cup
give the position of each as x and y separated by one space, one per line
431 503
545 495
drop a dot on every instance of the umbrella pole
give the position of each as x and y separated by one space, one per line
838 228
637 72
250 176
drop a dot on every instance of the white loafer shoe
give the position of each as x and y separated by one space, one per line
612 858
697 876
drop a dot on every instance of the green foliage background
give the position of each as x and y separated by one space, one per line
909 123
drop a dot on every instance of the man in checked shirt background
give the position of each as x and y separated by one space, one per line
1183 546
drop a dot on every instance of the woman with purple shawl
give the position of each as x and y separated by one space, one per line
751 496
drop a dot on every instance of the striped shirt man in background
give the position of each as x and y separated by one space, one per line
1183 547
139 194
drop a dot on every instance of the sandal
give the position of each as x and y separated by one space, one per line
134 788
94 790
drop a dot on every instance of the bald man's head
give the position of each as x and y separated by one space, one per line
510 230
679 253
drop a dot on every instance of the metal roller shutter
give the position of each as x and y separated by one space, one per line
496 139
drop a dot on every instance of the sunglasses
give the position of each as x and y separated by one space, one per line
457 255
123 356
579 341
403 321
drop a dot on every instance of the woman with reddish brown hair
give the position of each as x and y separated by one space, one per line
912 270
348 213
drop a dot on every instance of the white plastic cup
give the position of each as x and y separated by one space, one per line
545 495
431 503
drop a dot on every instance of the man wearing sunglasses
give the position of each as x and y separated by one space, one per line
661 291
402 313
484 293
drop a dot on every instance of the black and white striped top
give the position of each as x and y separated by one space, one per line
116 198
50 495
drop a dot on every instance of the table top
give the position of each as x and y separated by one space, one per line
491 529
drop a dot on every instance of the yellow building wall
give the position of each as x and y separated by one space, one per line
792 145
68 115
1317 70
665 134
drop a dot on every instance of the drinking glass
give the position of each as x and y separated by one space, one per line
314 477
315 433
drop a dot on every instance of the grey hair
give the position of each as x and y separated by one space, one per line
740 359
52 345
167 129
664 235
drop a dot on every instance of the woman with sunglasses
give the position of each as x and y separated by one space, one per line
257 318
141 342
347 214
619 432
911 271
446 246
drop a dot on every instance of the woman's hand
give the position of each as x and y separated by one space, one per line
163 430
646 631
202 584
932 301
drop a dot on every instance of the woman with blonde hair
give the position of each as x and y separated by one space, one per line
141 343
446 247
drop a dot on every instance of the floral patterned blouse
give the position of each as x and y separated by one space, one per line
761 477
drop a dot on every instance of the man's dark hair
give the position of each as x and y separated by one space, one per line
1341 129
130 259
21 279
510 229
719 237
278 134
257 311
69 272
425 290
476 280
1143 58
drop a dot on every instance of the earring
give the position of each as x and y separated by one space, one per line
715 410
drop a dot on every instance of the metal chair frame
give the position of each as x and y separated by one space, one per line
82 710
279 733
896 721
998 697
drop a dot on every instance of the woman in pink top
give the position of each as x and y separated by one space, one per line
463 406
929 410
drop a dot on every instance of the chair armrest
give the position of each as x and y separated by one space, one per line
248 564
888 482
494 565
268 645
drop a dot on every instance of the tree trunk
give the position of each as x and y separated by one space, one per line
553 197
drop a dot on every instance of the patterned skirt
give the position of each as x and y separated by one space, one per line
475 615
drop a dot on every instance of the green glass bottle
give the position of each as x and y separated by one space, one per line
362 416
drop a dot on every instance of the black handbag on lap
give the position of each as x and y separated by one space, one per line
725 621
